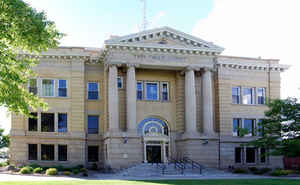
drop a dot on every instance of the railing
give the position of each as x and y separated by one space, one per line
178 165
160 166
194 164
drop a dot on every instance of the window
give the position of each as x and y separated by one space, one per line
47 152
250 155
47 122
263 156
62 88
93 91
139 90
238 155
236 95
93 124
248 95
152 91
261 96
33 122
120 82
62 122
32 152
249 124
93 154
62 152
47 87
32 85
235 126
260 130
165 91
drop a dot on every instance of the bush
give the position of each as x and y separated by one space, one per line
79 166
75 171
83 170
85 174
38 170
3 164
25 170
240 170
265 170
34 166
51 171
253 169
279 172
68 173
94 166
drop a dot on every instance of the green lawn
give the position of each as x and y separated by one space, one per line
162 182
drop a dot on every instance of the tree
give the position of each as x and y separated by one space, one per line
280 130
4 139
22 29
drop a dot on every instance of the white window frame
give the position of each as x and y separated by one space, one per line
253 97
265 94
66 88
54 94
88 91
168 91
142 90
122 82
158 90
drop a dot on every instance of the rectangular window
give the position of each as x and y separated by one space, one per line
165 91
261 96
139 90
93 154
250 155
62 88
32 85
249 124
93 124
33 122
248 95
238 155
93 91
62 152
152 91
47 87
62 122
47 152
236 95
235 126
260 130
32 152
120 82
263 156
47 122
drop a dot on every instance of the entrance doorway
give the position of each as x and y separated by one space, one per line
153 154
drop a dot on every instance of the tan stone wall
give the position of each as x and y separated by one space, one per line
180 119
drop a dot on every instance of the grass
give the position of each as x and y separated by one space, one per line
161 182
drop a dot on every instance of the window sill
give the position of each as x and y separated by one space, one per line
157 101
235 104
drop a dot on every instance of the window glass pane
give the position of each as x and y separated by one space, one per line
248 94
260 129
32 151
238 155
120 82
47 152
236 95
33 86
235 127
249 124
250 155
93 154
62 88
139 89
93 124
47 122
47 87
93 91
62 153
165 92
261 96
33 122
62 122
152 91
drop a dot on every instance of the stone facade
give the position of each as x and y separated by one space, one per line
193 118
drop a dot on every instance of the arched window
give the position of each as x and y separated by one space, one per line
153 126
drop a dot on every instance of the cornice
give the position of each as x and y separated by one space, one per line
257 67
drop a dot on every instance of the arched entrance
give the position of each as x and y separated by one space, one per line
155 133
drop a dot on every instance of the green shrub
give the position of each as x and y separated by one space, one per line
60 168
240 170
25 170
83 170
94 166
79 166
38 170
265 170
85 174
279 172
51 171
34 166
68 173
75 171
253 169
3 164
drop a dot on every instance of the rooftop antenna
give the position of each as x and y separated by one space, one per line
145 22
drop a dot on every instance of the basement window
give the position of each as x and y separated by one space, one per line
93 154
47 123
33 122
62 152
238 155
250 155
32 151
47 152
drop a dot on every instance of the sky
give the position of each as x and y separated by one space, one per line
249 28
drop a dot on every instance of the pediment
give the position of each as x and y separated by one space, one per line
164 37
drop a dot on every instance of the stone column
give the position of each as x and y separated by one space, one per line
131 98
113 99
190 102
208 105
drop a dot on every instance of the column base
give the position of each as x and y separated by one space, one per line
191 135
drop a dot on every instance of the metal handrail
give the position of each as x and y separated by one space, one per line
193 163
178 165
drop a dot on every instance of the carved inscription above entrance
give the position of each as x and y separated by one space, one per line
160 57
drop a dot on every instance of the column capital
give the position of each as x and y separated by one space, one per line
208 69
192 68
132 65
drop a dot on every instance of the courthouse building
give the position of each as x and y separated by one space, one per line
146 97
